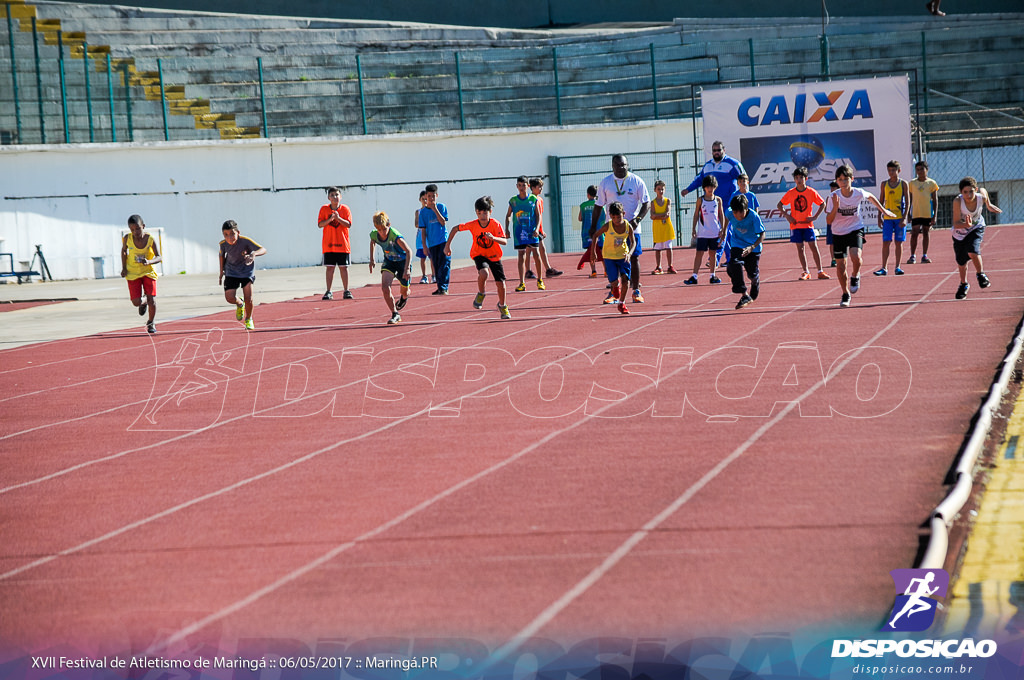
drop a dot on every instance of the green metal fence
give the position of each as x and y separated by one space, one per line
54 97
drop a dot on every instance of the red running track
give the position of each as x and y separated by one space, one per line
686 470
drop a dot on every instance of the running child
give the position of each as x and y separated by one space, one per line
619 243
801 199
419 239
397 263
587 221
237 270
488 238
924 201
521 223
968 230
139 252
662 230
745 254
848 230
335 219
894 193
709 227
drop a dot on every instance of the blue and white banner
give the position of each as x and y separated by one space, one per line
863 123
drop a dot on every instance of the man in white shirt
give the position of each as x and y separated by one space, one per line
628 189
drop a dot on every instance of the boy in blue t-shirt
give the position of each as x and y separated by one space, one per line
521 224
745 249
586 218
432 220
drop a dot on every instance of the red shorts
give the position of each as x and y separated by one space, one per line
136 286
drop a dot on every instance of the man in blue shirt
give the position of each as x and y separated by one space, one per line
432 220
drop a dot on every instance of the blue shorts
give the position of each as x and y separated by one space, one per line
616 269
892 231
802 235
828 234
639 250
420 254
705 244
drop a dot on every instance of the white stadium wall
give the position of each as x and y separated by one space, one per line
75 200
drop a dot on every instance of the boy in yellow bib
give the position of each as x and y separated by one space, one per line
139 252
619 243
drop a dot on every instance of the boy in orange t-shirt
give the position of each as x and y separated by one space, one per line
488 238
335 219
802 200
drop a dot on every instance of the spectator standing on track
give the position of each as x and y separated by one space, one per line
335 219
586 218
397 263
139 252
848 230
709 227
747 237
237 270
521 224
801 200
432 222
488 238
968 230
924 200
420 253
726 170
628 190
619 240
894 193
662 230
536 187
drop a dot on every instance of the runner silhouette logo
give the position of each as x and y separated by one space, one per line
917 593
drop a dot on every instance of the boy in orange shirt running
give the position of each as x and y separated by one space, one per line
488 238
802 200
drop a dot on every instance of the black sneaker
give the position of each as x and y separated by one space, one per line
529 274
150 328
854 284
961 292
845 302
744 301
983 281
552 272
328 296
692 281
142 308
400 304
715 279
347 295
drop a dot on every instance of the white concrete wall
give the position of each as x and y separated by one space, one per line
75 199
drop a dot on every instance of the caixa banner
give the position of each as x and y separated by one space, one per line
772 130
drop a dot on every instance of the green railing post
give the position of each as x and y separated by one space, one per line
924 69
824 56
163 99
654 83
14 72
263 97
39 82
110 97
558 94
63 85
362 95
128 101
88 89
458 82
753 75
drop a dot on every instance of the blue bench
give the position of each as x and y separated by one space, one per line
10 267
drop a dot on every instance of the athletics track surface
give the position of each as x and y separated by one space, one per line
207 485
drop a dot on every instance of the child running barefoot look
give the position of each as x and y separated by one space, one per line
709 227
488 238
397 263
968 230
139 253
237 270
619 242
